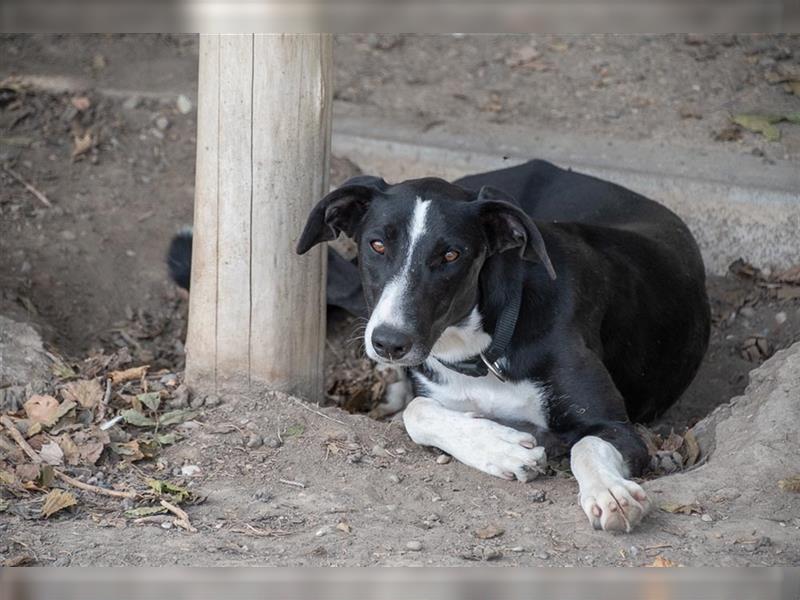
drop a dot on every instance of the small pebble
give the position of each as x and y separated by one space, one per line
492 554
378 450
127 503
162 122
131 103
517 549
212 400
184 105
399 450
254 441
748 312
414 546
707 518
272 442
780 318
537 496
166 525
68 235
393 478
443 459
197 402
157 133
263 495
323 531
541 555
190 470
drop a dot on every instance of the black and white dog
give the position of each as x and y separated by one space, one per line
530 297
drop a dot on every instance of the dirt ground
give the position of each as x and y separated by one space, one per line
117 173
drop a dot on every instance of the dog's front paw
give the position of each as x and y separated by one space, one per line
505 452
616 505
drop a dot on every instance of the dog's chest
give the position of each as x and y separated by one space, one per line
487 396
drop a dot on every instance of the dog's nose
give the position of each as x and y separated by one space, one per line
390 343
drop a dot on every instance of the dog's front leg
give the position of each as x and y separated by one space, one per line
478 442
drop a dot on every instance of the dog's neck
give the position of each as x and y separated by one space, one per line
463 340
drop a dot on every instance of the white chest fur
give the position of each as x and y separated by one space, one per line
488 396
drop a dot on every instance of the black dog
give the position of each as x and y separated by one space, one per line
562 301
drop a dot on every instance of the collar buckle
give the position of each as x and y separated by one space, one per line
494 367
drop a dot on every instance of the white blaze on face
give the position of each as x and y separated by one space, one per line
390 307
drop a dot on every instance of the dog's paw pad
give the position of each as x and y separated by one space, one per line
616 507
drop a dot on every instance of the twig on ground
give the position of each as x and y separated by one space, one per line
294 483
92 488
316 412
39 195
21 442
183 519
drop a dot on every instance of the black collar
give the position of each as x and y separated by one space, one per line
488 361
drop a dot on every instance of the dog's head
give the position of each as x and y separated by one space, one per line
421 246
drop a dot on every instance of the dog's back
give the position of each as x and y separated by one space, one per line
656 320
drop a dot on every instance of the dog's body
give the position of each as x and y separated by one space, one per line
588 300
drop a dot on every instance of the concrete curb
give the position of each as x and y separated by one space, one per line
736 205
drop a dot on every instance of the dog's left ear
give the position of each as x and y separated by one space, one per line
508 226
339 211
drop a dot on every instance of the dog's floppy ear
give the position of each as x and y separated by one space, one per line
508 226
339 211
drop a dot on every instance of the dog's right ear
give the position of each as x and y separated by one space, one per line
340 211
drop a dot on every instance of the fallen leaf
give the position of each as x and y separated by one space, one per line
790 484
86 392
344 526
166 439
128 374
82 144
672 443
130 450
763 124
27 472
62 370
20 560
82 103
787 292
145 511
41 409
294 430
52 454
661 562
683 509
177 416
176 492
692 449
57 500
134 417
489 532
7 478
72 454
46 476
151 400
4 504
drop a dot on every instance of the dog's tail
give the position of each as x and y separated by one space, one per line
179 258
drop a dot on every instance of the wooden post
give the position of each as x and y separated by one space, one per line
256 309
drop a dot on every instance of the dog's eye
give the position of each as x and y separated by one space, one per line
378 246
451 255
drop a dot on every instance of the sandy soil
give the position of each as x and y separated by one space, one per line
89 271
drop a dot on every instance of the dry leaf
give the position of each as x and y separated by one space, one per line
130 450
91 444
87 393
789 275
685 509
81 103
52 454
82 144
790 484
692 449
489 532
57 500
127 374
344 526
661 562
72 455
41 409
672 443
27 472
